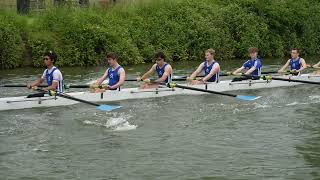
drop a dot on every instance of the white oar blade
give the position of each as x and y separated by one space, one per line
104 107
248 98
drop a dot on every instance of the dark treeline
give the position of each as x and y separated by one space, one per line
183 29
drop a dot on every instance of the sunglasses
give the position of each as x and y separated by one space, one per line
45 59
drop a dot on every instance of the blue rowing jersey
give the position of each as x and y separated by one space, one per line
49 79
295 64
256 63
161 71
207 69
113 76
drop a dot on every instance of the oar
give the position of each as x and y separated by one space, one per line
19 85
66 86
102 107
242 97
183 78
284 79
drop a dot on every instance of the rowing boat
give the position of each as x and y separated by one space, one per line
22 102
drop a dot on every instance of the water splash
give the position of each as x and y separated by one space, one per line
115 122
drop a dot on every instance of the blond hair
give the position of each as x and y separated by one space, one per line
211 51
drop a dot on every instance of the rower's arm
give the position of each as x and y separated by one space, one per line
237 72
253 68
36 83
304 65
214 70
52 87
284 67
167 72
197 71
317 65
122 78
147 74
101 79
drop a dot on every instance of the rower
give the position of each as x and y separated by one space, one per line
115 73
252 66
163 69
316 66
210 67
296 63
52 75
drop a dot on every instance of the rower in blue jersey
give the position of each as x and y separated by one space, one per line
163 69
210 67
253 66
52 75
115 73
296 63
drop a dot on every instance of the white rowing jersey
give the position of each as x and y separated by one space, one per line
51 75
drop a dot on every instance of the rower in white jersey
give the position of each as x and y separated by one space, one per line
296 63
163 69
115 73
52 75
210 67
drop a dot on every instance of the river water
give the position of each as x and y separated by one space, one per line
176 137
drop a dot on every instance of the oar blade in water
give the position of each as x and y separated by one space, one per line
105 107
248 98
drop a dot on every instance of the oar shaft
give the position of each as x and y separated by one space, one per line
72 98
296 80
284 79
76 99
204 90
20 85
79 86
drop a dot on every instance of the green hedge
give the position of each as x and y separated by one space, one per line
11 44
183 29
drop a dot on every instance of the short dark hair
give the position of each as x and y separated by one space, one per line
52 55
296 49
160 54
112 55
253 50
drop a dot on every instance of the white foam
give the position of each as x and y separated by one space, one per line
113 122
117 123
296 103
87 122
314 97
261 106
125 127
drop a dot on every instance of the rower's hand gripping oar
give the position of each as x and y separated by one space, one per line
102 107
242 97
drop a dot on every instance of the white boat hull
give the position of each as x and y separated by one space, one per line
134 93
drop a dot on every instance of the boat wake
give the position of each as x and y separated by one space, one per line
116 123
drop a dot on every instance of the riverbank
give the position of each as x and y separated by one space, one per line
183 29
